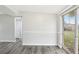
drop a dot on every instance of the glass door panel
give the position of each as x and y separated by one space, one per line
69 29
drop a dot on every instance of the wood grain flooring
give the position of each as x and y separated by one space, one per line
18 48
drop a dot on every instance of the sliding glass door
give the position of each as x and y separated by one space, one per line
69 31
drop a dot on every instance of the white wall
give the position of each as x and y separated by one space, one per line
6 28
39 29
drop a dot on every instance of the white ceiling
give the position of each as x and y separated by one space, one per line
53 9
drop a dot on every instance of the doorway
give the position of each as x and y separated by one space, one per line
69 30
18 27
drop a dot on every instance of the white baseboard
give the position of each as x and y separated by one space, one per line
7 40
40 44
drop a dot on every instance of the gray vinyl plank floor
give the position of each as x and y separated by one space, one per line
18 48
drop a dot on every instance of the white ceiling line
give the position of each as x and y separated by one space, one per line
52 9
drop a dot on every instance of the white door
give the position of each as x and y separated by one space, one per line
18 27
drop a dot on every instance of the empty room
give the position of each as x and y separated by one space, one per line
39 29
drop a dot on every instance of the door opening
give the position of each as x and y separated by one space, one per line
69 30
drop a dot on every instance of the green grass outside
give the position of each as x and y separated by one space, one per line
69 40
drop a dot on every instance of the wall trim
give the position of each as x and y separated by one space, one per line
39 44
7 40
